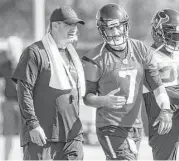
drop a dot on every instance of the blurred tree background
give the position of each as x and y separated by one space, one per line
16 16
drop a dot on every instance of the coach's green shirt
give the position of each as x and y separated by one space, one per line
57 111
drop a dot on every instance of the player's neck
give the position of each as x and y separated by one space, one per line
120 53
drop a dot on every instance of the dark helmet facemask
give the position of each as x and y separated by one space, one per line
114 39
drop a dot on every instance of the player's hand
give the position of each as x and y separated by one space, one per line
165 121
37 136
113 101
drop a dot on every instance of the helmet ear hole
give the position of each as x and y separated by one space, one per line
162 15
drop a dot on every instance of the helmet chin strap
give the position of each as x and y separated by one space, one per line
156 50
166 47
171 49
118 46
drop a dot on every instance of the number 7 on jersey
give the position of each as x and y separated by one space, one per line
132 76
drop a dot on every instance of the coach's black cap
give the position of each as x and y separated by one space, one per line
65 14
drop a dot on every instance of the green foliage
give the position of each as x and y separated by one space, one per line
16 16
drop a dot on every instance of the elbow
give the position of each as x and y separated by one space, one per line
85 101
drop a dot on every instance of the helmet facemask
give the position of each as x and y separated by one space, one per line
171 34
113 38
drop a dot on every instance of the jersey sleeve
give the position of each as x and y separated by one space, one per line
152 76
92 75
27 68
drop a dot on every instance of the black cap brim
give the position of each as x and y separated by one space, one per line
74 21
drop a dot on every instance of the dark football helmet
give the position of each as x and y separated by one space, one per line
112 16
165 29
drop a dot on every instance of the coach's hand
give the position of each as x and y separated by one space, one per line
165 121
113 101
37 136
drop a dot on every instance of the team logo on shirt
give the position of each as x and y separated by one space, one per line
168 69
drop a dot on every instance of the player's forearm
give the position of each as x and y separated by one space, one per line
94 100
162 98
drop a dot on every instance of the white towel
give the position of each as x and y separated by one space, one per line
60 75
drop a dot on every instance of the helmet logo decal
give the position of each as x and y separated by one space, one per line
163 18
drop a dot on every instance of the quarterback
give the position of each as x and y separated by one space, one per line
165 33
114 72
